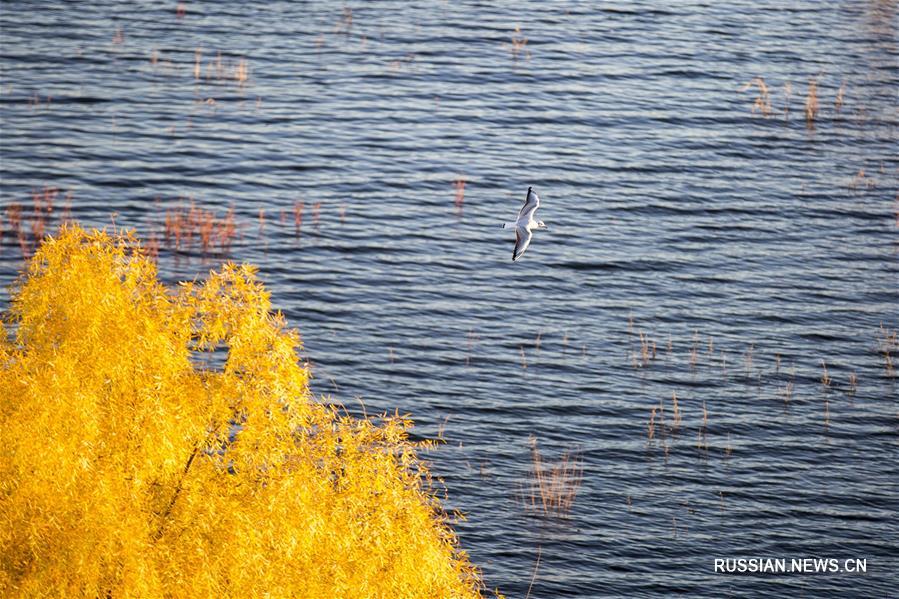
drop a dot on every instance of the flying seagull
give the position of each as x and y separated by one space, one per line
525 223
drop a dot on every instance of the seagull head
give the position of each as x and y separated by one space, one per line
541 225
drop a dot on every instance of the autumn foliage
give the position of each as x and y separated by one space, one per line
164 442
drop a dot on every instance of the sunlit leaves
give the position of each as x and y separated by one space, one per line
163 442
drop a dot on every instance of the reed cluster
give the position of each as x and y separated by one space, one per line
183 228
519 44
188 227
661 430
663 424
862 181
763 103
27 227
648 351
554 485
221 70
345 23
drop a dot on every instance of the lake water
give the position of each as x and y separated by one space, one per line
752 248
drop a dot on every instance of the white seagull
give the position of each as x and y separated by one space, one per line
525 223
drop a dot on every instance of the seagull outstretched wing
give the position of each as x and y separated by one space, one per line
531 203
522 241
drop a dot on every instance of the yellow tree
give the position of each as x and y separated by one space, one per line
164 442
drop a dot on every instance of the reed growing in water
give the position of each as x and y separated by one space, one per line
554 485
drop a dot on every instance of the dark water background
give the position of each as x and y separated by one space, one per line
674 210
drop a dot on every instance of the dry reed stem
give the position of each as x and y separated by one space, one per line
748 358
677 417
472 339
644 349
811 103
838 103
825 376
316 208
888 344
787 392
152 247
241 72
788 92
459 185
534 576
441 429
702 441
298 217
648 349
762 103
345 23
